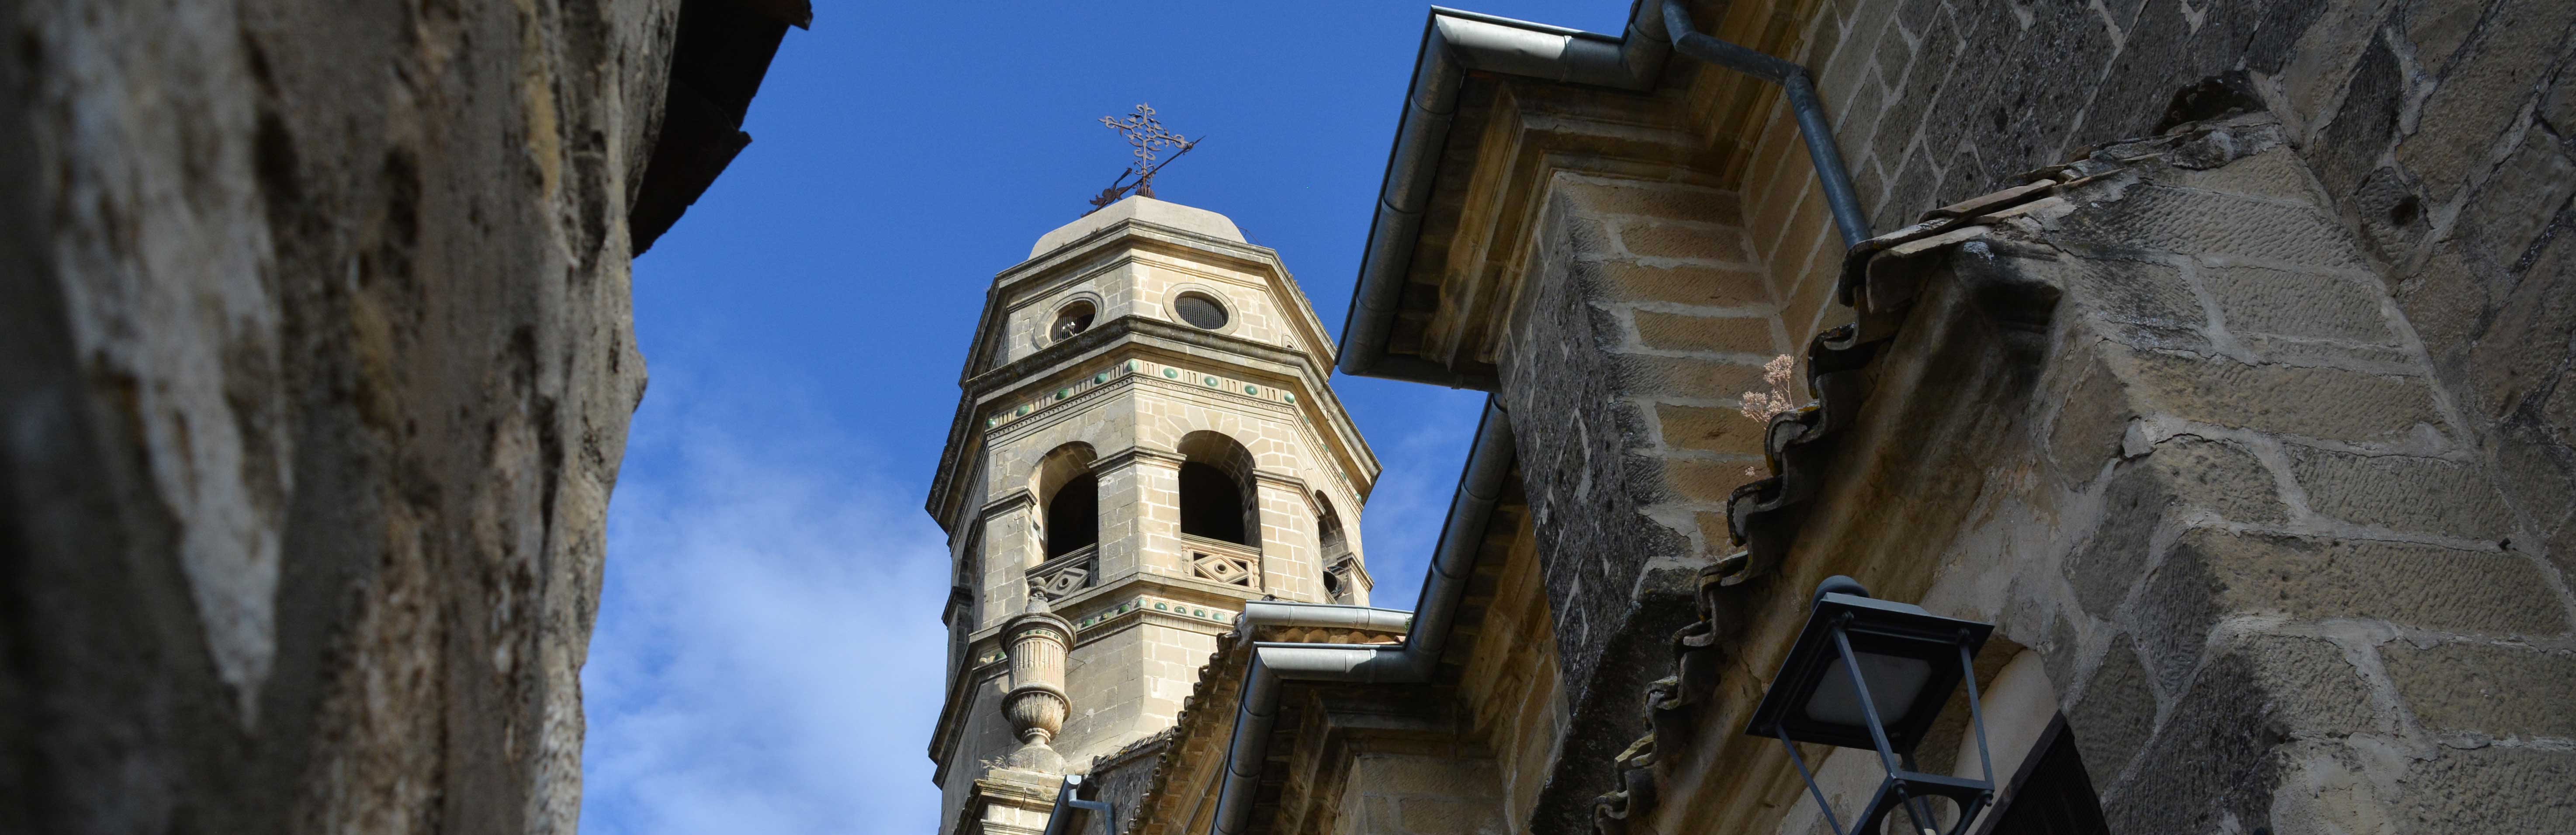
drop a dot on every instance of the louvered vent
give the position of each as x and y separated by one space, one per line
1199 311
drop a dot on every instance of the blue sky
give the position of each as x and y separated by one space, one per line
768 654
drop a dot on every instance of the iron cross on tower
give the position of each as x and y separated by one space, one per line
1146 133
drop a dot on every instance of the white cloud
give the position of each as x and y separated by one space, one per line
768 656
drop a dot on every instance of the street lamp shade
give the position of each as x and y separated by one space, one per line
1909 659
1874 675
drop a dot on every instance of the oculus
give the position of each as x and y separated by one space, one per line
1074 318
1200 310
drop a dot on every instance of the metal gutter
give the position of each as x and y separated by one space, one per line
1456 42
1453 560
1453 43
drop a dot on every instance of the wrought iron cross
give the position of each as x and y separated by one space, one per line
1150 139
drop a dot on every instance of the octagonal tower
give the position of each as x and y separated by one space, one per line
1146 440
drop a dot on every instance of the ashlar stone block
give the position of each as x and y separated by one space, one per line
2401 492
2314 402
2493 689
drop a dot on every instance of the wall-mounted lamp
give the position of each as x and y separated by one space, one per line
1873 674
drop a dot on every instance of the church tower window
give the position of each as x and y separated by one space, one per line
1073 516
1216 488
1069 493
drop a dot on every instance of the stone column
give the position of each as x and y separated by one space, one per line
1037 704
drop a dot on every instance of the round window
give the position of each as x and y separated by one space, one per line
1074 318
1199 310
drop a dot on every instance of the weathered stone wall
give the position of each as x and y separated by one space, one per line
316 375
2330 339
2166 427
1642 325
2435 133
2440 130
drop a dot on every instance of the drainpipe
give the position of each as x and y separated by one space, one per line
1480 486
1801 89
1058 821
1457 42
1454 43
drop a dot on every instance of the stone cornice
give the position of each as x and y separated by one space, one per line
1285 480
1134 454
1018 497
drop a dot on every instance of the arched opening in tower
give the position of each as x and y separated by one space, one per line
1073 516
1211 505
1216 489
1068 496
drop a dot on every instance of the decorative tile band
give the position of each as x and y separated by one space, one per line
1007 414
1168 607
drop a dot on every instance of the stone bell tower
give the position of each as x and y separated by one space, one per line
1146 441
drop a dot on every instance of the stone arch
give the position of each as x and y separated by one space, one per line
1217 495
1068 495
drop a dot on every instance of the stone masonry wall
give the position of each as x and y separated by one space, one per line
2438 134
2440 130
1644 322
316 371
2166 426
1398 794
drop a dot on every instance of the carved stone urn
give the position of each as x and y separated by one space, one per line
1036 704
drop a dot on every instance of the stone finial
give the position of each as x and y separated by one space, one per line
1037 704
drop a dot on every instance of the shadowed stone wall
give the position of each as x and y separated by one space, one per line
2161 422
2442 133
316 372
1642 326
2377 271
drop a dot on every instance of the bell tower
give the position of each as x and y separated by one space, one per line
1145 441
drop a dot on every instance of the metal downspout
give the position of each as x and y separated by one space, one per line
1794 80
1067 797
1480 487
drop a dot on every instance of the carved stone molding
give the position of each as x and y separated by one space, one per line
1070 572
1223 562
